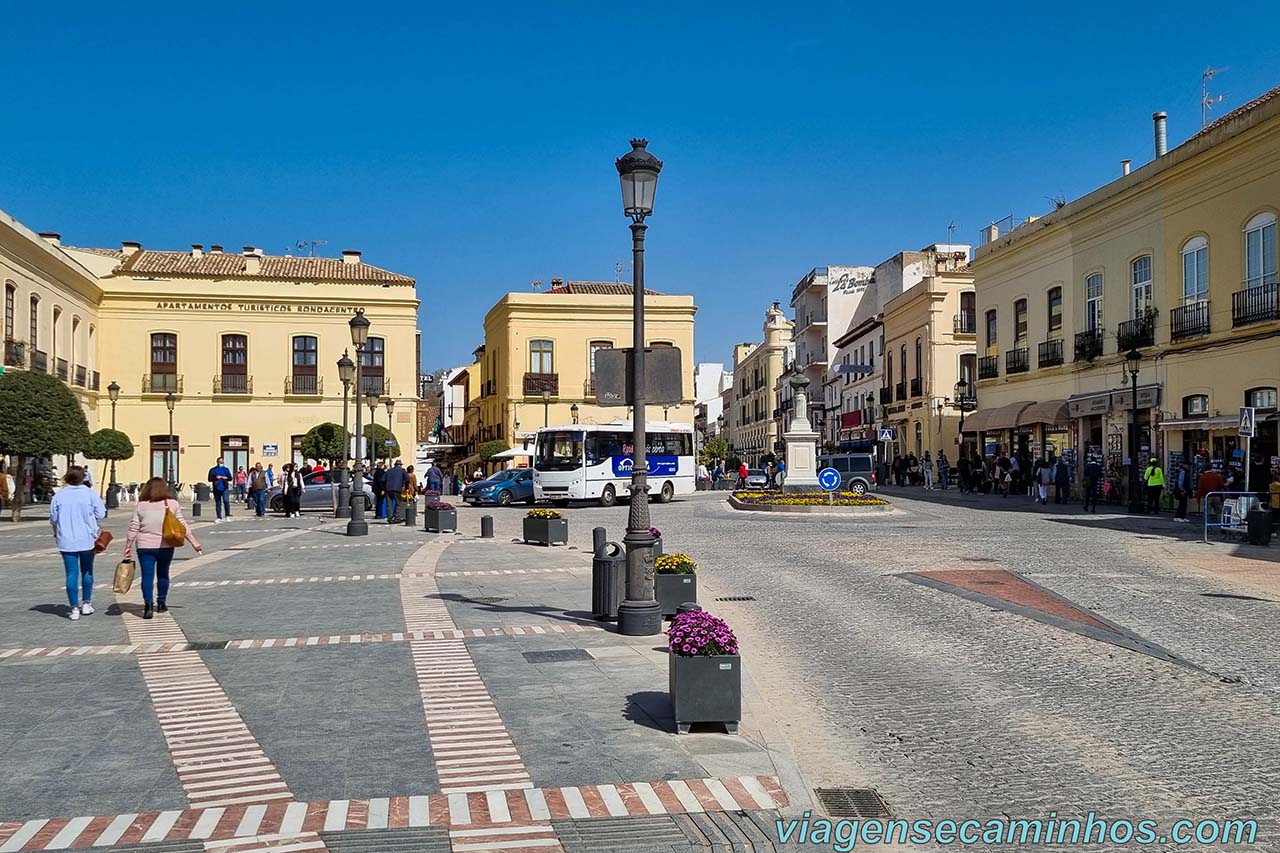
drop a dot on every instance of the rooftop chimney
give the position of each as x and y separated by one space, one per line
52 236
1162 133
1124 166
557 282
351 256
252 261
129 247
992 232
197 251
215 249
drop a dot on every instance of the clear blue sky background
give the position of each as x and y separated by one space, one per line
472 145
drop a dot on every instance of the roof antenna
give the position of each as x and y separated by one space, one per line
536 284
951 234
310 246
1206 100
619 267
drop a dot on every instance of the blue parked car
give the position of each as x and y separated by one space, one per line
503 488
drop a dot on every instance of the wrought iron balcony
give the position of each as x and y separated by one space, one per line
965 323
301 385
988 367
1088 345
39 362
1049 353
375 385
1017 360
15 354
82 376
915 387
1189 321
886 395
162 383
1136 333
900 391
536 383
64 370
1257 304
233 383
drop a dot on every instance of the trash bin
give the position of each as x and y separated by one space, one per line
202 491
1259 521
608 580
409 511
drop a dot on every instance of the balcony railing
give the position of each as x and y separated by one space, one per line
1049 353
82 376
988 367
1257 304
15 354
965 323
1189 321
915 387
536 383
39 361
900 391
374 385
95 381
301 385
233 383
886 395
1017 360
1088 345
1136 333
64 370
162 383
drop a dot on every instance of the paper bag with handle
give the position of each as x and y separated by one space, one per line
124 577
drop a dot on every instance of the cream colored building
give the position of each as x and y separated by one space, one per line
248 344
1176 260
751 404
928 347
537 364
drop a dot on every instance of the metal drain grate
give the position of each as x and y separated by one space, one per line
486 599
862 803
557 655
736 598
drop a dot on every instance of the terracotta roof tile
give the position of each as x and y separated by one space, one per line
1236 113
230 265
598 288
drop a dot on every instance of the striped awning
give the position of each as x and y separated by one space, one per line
1001 417
1052 412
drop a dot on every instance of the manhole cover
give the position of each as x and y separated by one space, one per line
1233 595
862 803
557 655
736 598
486 599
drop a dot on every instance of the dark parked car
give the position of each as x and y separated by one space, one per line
319 491
503 488
857 471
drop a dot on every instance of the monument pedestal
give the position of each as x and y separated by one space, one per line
802 444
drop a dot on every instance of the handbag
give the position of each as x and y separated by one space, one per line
100 544
124 577
174 533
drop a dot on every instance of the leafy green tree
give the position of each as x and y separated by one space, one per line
39 416
377 435
109 444
714 448
326 441
490 449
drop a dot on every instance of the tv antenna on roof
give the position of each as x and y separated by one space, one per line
536 284
951 233
619 267
310 246
1206 100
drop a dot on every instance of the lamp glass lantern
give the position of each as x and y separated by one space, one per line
170 401
1133 358
346 369
573 412
113 392
359 328
389 403
638 173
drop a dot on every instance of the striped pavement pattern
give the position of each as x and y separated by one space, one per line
508 815
476 573
377 544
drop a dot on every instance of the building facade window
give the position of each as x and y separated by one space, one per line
1195 271
1093 302
164 455
1054 305
1260 251
902 354
1260 398
888 370
372 366
164 361
54 338
969 370
1195 406
10 297
919 357
1020 323
305 357
34 309
541 357
592 348
1140 271
992 332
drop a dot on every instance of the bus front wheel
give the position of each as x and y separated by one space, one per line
668 492
608 497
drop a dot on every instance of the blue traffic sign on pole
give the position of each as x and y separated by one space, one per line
886 434
829 479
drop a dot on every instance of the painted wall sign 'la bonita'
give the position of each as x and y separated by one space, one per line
256 307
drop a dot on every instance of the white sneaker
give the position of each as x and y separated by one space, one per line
75 614
217 521
86 608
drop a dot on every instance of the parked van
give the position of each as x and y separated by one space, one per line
857 471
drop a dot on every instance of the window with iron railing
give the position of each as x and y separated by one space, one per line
1189 321
1017 360
1088 345
1050 353
1137 333
1256 302
988 367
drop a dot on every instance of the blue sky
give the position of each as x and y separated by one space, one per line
473 148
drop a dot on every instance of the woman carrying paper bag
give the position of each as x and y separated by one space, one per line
156 529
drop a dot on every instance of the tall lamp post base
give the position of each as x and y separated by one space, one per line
639 618
113 496
343 509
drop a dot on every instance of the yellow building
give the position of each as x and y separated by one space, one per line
248 344
929 346
750 405
1176 260
537 364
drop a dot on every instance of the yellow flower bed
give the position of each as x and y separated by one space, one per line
806 499
542 513
675 564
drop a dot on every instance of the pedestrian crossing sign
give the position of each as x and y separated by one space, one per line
886 435
1247 422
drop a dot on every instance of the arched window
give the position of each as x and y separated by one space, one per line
1260 398
1195 271
888 369
541 356
902 353
34 316
1054 306
1260 251
969 371
1093 302
992 329
10 297
1020 324
55 340
919 356
1195 406
1140 271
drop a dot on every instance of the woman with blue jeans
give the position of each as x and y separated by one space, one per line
74 514
146 533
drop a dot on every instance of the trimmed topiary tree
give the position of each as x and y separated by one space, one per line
326 441
377 435
39 416
109 444
490 449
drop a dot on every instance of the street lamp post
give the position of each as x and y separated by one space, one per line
113 488
573 412
346 372
169 402
546 408
371 399
639 615
357 526
1133 361
390 404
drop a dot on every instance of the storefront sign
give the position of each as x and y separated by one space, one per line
1120 399
270 450
847 283
256 308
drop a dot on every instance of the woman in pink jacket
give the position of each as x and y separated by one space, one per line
146 532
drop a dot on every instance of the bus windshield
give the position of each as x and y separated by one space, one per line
559 450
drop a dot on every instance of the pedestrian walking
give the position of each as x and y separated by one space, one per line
1015 475
457 482
435 478
926 471
944 470
704 477
220 481
1043 475
242 481
1211 481
1002 473
380 490
155 554
742 475
271 475
393 485
963 473
305 469
1092 480
291 487
781 473
1153 478
1061 481
913 470
1182 490
258 490
74 513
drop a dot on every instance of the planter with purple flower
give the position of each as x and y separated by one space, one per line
657 541
674 581
705 672
440 517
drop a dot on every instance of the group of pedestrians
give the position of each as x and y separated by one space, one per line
927 473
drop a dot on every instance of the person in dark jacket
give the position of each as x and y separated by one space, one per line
380 491
1092 477
1061 481
435 478
394 483
963 469
1182 489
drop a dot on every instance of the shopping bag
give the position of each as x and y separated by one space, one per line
124 577
100 544
174 533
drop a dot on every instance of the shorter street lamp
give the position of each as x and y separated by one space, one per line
573 412
390 404
347 373
357 526
1133 361
371 399
113 488
169 402
546 408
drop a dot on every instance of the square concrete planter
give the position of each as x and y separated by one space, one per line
674 590
705 690
657 547
547 531
440 520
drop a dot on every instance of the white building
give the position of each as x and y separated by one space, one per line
708 382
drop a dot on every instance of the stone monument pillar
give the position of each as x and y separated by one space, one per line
802 443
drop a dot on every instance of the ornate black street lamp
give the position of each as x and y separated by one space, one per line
390 404
639 615
546 408
372 399
357 526
169 402
113 488
1133 360
573 412
347 373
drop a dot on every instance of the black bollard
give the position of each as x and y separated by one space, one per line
486 527
598 537
195 509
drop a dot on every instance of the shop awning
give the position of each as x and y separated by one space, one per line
512 453
1051 412
1219 423
1001 417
